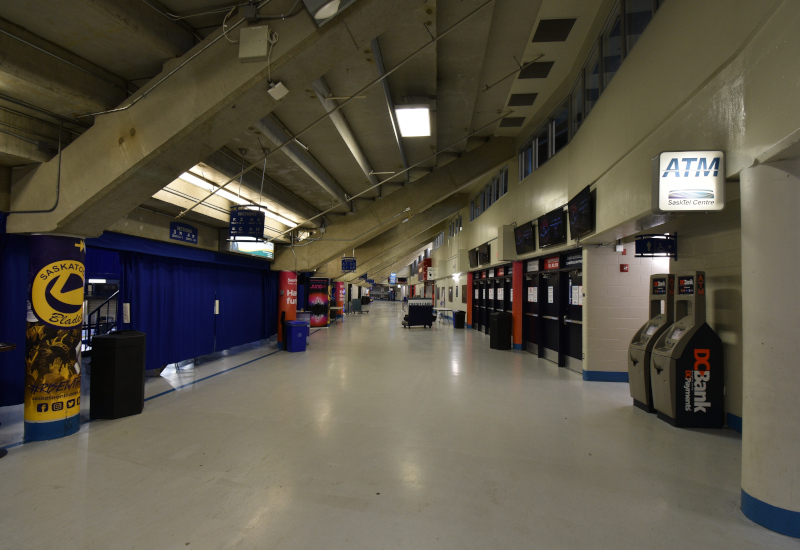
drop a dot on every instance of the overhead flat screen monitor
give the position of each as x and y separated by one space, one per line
524 239
261 249
483 254
552 228
473 257
581 214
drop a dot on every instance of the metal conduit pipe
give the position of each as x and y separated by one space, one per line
387 94
270 127
323 92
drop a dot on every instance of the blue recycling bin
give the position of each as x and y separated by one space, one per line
296 334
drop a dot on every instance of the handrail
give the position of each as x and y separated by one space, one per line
95 330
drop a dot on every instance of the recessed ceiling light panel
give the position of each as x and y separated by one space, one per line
414 120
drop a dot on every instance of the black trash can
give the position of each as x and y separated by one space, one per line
117 382
500 334
458 319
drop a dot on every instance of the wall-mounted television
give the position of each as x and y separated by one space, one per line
524 238
483 254
581 214
552 228
473 257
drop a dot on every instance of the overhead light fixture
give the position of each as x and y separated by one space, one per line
414 120
322 9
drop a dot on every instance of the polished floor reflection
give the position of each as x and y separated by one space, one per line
378 437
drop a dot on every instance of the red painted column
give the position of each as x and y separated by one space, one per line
287 299
516 305
469 299
340 295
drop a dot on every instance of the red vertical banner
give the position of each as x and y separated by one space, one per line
516 305
340 295
469 299
287 299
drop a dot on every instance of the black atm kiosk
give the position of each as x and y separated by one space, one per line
662 307
686 363
530 301
476 300
550 316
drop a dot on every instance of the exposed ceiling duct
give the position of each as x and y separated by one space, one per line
324 94
270 127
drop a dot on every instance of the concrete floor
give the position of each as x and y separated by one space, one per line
378 437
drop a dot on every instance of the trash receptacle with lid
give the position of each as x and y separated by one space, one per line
117 382
296 334
500 332
458 319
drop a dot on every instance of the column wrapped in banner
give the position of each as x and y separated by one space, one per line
53 337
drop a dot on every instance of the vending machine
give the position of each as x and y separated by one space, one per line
662 302
686 367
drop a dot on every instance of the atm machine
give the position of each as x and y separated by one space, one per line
662 303
686 367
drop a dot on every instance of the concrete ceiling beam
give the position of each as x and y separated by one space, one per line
129 155
459 62
418 196
46 75
395 255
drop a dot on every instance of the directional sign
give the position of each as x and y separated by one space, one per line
348 264
246 223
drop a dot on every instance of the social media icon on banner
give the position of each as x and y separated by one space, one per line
58 406
42 407
70 403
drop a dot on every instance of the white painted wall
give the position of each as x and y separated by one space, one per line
615 305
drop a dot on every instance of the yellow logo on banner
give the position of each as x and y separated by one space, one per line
57 294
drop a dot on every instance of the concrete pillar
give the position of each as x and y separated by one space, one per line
770 194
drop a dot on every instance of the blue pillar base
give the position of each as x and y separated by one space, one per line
604 376
42 431
518 346
734 422
785 522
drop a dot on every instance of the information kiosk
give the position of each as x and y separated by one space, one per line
662 304
686 364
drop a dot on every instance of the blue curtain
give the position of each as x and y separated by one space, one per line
13 309
102 264
241 316
172 302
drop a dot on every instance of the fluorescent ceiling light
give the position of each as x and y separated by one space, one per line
188 177
96 281
414 120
